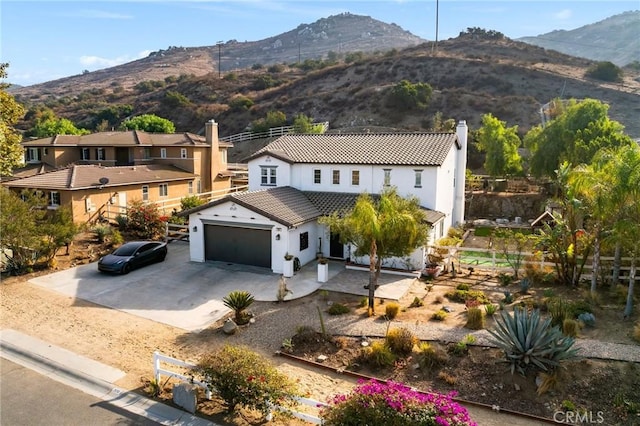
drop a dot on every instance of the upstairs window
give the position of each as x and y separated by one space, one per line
164 189
387 177
85 154
418 179
33 155
145 193
190 185
355 177
54 198
335 177
268 176
100 154
317 176
163 152
147 153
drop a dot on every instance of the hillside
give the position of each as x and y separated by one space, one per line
470 76
615 39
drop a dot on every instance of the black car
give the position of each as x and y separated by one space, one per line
131 255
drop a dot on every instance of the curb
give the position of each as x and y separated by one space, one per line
97 387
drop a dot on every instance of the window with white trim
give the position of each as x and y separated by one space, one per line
355 177
33 155
85 154
145 192
163 152
190 186
418 179
183 152
100 154
317 176
54 198
223 155
387 177
198 186
164 189
268 175
335 177
45 151
147 153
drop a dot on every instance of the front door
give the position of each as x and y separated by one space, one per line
336 248
122 156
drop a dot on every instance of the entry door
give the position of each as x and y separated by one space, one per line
122 202
336 248
122 157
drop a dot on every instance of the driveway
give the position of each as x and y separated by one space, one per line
188 295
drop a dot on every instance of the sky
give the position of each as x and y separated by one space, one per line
47 40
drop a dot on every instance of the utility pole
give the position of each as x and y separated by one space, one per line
219 59
435 44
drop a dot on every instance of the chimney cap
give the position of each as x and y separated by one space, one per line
212 121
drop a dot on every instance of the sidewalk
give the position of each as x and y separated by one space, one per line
88 376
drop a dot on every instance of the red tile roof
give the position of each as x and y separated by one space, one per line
128 138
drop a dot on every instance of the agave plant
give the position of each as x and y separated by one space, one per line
238 301
527 341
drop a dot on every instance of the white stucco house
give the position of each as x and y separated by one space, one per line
299 178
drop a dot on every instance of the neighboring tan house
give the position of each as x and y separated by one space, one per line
299 178
176 165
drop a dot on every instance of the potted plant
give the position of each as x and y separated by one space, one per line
323 270
287 269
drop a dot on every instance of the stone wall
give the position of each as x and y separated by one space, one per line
494 205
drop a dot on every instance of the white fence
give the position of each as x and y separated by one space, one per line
494 260
271 133
159 360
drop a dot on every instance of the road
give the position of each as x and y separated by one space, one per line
31 399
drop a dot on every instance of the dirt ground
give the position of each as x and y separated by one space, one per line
128 342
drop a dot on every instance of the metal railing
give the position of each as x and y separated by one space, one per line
271 133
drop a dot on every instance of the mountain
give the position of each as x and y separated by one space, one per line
615 39
471 75
341 33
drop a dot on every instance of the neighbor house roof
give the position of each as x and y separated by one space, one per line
423 149
88 176
292 207
128 138
28 170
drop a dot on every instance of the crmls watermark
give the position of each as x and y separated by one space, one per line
579 417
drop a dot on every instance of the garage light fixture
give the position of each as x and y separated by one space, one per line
194 229
277 237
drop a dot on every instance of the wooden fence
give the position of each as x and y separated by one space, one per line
496 261
184 375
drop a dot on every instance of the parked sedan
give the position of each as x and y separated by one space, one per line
131 255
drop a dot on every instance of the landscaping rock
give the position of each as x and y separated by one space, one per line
229 327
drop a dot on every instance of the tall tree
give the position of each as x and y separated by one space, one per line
383 228
11 152
501 146
575 135
149 123
52 126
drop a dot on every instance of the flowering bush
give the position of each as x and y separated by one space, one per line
375 403
144 221
241 377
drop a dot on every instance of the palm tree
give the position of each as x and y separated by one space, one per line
391 226
238 301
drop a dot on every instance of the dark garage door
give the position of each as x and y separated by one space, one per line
238 245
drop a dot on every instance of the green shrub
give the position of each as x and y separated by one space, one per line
464 296
240 102
241 377
490 309
529 341
429 357
364 302
378 355
462 347
189 202
605 71
406 96
375 403
391 310
475 319
440 315
559 311
417 302
338 309
238 301
116 238
400 341
463 287
570 327
102 232
121 220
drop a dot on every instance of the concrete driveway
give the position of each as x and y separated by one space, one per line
178 292
188 295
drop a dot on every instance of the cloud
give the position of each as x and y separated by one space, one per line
95 14
96 62
563 15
